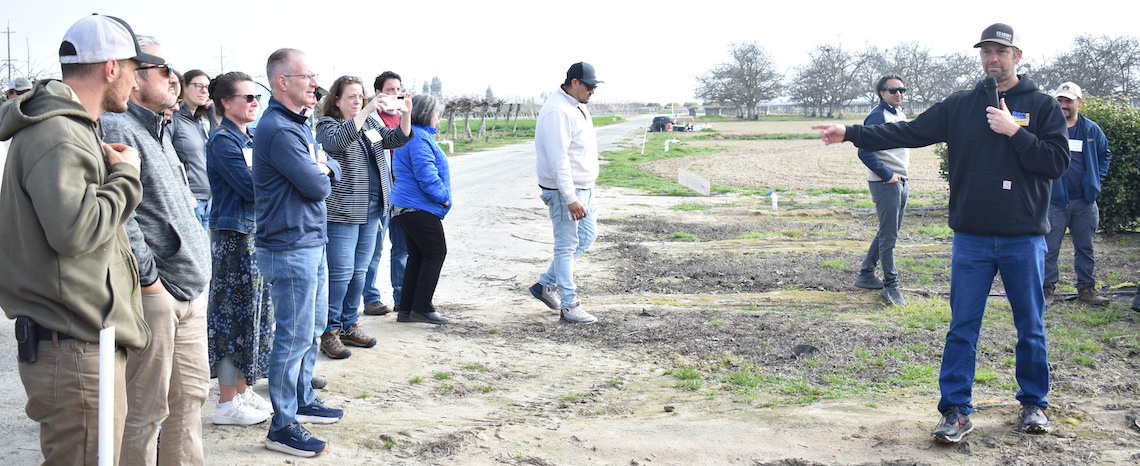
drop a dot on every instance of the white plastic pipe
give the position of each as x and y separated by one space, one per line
450 145
667 141
107 396
772 194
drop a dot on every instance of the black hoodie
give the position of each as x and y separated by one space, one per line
998 185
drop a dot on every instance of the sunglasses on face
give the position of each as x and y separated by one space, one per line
896 90
166 69
249 98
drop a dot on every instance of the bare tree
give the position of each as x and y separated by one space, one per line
1101 65
747 80
830 79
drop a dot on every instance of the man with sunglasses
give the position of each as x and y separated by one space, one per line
567 165
886 178
1002 160
166 384
68 271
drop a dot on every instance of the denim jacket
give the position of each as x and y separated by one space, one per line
231 182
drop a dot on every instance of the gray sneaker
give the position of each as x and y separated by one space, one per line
575 315
1034 420
870 282
894 298
546 294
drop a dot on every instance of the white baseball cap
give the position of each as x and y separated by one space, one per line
98 38
1069 89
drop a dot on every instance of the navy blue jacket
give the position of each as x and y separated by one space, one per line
231 182
423 180
1097 159
998 185
289 189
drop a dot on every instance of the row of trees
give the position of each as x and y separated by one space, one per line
835 76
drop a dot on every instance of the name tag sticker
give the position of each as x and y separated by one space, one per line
1006 185
373 136
248 154
1076 145
1021 118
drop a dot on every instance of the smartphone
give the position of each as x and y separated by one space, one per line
394 102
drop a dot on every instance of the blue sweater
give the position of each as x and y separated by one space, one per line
231 182
422 177
1096 156
289 189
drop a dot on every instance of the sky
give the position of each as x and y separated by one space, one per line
645 51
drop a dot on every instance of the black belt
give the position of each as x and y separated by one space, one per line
46 334
548 189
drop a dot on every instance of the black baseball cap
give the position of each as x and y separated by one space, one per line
1000 33
584 72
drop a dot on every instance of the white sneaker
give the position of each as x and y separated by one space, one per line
255 401
238 413
575 315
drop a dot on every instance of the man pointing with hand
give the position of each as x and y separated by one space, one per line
1001 166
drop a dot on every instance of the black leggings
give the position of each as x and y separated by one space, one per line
427 248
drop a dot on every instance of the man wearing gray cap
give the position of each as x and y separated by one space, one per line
68 270
1004 155
567 163
1073 202
18 87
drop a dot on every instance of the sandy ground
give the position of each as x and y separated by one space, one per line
491 388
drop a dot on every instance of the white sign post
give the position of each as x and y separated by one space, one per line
693 182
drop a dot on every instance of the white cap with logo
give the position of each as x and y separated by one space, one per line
1070 90
98 38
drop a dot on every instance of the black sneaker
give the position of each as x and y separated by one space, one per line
317 413
953 427
1034 420
892 295
295 440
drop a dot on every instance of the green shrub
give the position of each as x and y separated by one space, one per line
1120 193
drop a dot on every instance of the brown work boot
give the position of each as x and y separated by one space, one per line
376 308
355 336
331 345
1049 289
1087 295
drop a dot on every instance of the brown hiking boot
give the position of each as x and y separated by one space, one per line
1049 289
1087 295
355 336
331 345
376 308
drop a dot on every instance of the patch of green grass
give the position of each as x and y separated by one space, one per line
791 233
442 376
929 314
918 347
792 287
1094 317
486 389
1074 340
716 323
1083 360
935 230
416 379
622 167
757 235
388 444
493 331
684 236
833 264
915 375
573 397
474 366
846 190
614 383
447 387
689 206
985 375
363 395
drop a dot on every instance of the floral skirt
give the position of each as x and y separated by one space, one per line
239 316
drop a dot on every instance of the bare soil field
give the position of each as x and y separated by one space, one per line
728 333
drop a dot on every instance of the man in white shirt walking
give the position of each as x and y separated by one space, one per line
567 165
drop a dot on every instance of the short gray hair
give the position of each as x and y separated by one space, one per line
424 107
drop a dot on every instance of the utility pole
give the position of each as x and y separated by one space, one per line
8 31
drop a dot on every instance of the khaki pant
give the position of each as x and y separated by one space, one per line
63 397
167 384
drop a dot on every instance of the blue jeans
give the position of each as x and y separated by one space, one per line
890 202
399 261
1082 219
350 250
571 239
298 289
202 211
975 261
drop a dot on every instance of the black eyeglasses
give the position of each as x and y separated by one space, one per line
249 98
896 90
589 87
167 70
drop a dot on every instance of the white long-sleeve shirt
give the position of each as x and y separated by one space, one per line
566 146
